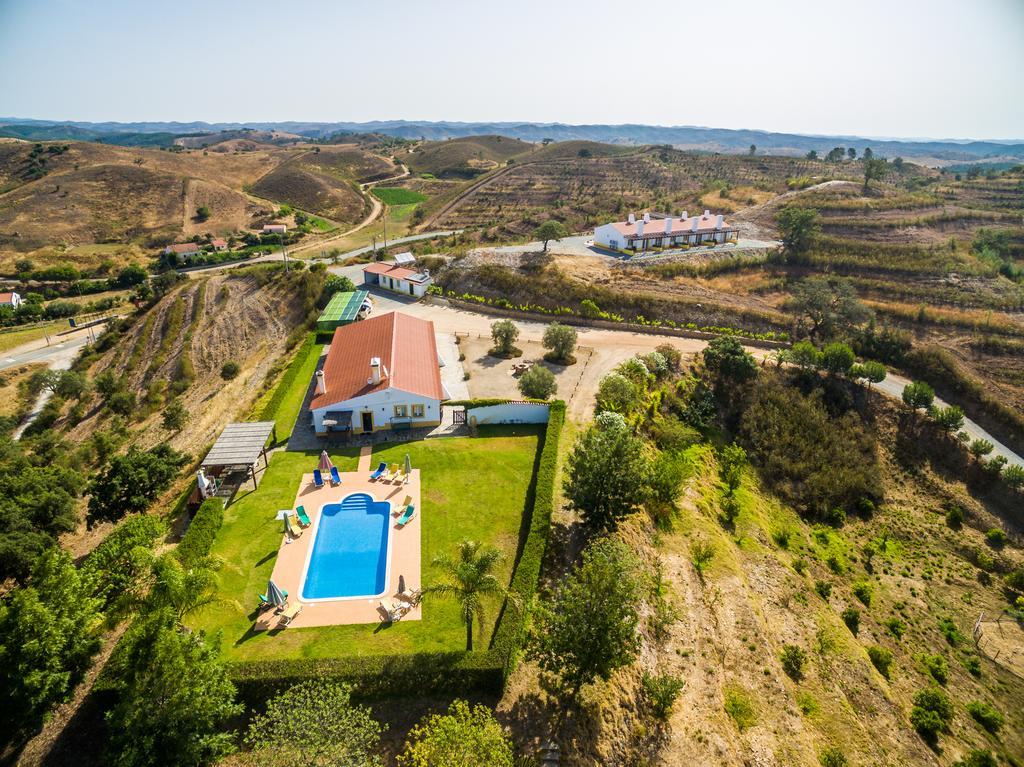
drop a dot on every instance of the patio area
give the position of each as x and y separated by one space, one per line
403 551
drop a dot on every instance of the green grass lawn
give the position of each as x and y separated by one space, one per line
473 487
392 195
10 339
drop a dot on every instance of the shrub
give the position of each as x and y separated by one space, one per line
116 567
862 590
896 627
881 659
793 659
538 383
936 666
661 691
702 552
229 370
202 532
972 664
985 715
824 589
949 630
739 707
955 517
931 712
996 538
978 758
122 402
851 617
832 757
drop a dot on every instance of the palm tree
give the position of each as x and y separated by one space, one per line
184 590
470 582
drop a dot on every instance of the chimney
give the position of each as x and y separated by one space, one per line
668 225
719 221
631 219
647 217
707 213
374 370
639 228
685 215
695 224
321 383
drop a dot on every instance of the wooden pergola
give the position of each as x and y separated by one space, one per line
239 447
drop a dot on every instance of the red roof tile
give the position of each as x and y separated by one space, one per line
391 270
406 347
656 226
6 298
219 243
185 247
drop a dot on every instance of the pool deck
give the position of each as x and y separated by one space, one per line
404 543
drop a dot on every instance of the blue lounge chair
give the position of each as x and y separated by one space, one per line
335 476
381 469
300 512
410 512
318 478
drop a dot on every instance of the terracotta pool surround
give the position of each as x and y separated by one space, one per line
404 555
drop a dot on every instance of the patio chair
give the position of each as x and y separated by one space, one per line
290 614
400 509
407 516
412 596
293 528
381 470
392 472
335 476
393 609
401 476
300 512
318 478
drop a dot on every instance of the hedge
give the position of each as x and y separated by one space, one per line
202 532
433 672
269 412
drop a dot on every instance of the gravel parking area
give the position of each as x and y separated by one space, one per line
492 377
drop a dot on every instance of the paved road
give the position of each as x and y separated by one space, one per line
610 348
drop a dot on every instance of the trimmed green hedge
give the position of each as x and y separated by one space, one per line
269 412
202 532
508 638
437 672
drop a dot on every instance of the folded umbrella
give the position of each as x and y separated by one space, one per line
325 462
275 596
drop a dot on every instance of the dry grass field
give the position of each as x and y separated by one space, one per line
464 157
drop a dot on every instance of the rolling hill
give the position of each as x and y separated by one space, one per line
463 157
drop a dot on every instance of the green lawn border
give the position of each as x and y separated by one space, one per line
305 361
202 532
435 672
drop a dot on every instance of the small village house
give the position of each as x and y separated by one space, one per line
381 373
11 299
274 229
219 245
183 249
401 276
661 231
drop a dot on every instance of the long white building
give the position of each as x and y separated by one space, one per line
650 232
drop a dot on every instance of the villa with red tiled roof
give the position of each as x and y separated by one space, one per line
659 231
401 276
381 373
11 299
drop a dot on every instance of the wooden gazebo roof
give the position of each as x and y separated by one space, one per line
240 444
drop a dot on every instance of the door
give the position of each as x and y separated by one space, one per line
367 421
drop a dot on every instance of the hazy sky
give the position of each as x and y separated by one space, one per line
909 68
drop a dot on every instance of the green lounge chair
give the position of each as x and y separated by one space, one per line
400 508
410 512
300 512
265 602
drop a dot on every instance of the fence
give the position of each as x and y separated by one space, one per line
509 412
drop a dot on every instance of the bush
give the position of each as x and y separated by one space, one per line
936 666
739 707
949 630
978 758
986 715
229 370
955 517
538 383
862 591
931 713
202 532
832 757
123 403
851 617
793 659
824 589
996 538
116 567
661 691
881 659
896 627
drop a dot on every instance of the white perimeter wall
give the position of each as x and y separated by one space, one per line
509 412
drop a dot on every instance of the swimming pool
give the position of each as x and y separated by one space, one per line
349 555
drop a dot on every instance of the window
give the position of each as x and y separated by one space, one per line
417 411
401 411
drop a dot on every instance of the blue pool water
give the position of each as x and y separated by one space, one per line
350 553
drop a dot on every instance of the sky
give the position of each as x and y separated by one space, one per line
877 68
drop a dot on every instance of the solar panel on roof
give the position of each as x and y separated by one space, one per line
403 259
342 309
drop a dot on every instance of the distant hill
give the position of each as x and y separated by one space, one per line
463 157
938 152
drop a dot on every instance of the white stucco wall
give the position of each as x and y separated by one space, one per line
607 234
381 404
510 412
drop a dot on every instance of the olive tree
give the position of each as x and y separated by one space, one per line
799 228
560 340
538 383
504 334
550 230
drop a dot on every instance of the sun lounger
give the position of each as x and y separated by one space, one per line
401 476
318 478
400 508
412 596
392 472
289 614
335 476
407 516
394 609
293 528
300 512
381 470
